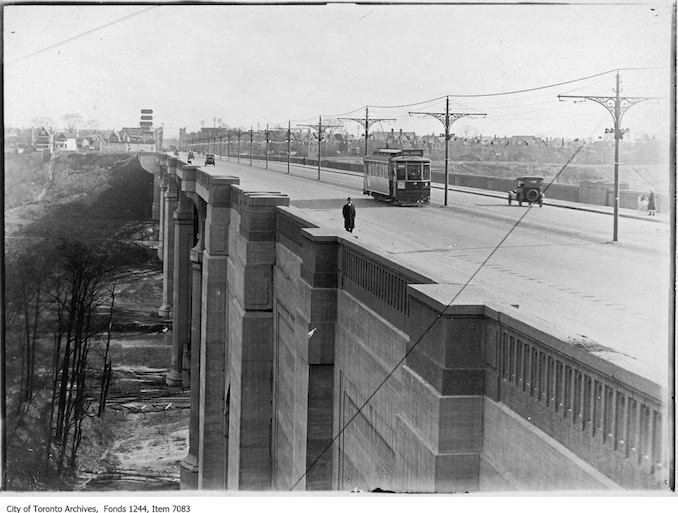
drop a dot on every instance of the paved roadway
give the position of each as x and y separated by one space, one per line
557 264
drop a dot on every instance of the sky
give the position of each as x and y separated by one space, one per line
249 66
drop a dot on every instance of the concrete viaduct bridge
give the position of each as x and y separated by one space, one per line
315 363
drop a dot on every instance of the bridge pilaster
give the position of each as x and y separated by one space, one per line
191 369
213 405
189 465
167 227
318 312
162 184
181 298
445 370
250 352
157 192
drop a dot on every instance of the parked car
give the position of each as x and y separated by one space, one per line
209 159
528 189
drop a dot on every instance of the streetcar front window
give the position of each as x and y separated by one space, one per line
414 171
427 172
400 171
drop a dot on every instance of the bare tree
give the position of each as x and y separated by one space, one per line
72 120
80 288
107 369
27 271
92 123
42 121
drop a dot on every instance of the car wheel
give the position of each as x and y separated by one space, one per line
532 195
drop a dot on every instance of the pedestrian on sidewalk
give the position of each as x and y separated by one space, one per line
349 215
651 209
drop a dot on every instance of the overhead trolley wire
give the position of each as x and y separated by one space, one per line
483 95
344 113
407 104
440 315
516 91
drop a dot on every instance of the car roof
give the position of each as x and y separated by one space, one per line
541 178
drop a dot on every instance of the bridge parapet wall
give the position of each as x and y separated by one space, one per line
607 416
604 421
309 340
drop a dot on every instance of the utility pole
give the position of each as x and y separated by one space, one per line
228 145
447 118
320 128
251 138
221 144
617 106
366 123
239 133
288 139
267 139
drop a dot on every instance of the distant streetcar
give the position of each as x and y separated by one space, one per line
402 177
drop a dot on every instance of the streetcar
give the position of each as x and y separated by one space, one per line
398 176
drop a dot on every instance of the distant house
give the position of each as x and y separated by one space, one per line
84 143
65 141
112 137
393 138
132 134
112 142
433 141
525 140
60 142
90 139
41 139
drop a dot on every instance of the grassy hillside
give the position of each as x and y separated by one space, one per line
25 176
44 198
73 223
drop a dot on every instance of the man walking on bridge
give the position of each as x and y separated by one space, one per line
349 215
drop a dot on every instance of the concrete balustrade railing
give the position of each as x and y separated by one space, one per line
609 417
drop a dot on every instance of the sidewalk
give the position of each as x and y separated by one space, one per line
601 209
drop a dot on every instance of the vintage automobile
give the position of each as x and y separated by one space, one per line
528 189
190 155
209 159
